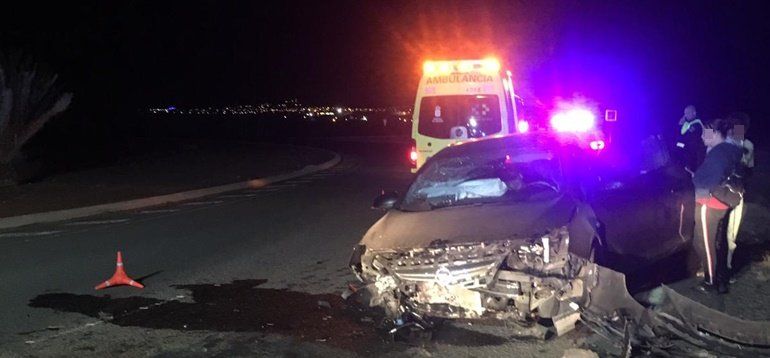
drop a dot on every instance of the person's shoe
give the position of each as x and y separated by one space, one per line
705 287
732 280
722 288
700 274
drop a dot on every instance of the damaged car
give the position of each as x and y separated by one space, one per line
536 228
510 228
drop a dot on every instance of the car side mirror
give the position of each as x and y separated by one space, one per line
385 201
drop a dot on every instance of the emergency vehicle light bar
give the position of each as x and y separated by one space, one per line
491 65
576 120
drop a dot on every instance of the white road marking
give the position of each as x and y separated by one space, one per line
199 203
97 222
261 191
29 234
159 211
239 195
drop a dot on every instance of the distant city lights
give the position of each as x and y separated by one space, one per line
293 109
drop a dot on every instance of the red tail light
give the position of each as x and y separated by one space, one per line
413 154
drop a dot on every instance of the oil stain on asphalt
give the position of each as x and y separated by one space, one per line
242 306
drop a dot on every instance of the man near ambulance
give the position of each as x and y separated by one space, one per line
689 150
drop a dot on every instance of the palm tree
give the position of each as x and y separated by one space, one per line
29 97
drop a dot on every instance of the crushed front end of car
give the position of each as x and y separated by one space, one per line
522 280
537 280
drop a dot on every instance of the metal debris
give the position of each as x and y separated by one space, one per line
324 304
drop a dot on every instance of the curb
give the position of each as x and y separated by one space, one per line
68 214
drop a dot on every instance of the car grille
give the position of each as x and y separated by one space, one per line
469 265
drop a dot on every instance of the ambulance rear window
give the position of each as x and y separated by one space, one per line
466 116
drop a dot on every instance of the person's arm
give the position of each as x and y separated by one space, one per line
749 162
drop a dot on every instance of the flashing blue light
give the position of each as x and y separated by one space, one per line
578 120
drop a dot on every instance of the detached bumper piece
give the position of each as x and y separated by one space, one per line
710 329
673 325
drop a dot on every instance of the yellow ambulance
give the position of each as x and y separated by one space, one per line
460 100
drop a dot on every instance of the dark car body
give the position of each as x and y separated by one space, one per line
508 227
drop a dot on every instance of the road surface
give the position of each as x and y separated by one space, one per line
249 273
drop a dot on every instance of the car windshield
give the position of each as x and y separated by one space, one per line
503 176
465 116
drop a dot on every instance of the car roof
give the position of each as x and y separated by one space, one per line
540 139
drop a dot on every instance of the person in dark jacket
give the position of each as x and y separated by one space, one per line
689 150
710 240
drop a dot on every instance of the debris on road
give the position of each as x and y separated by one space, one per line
239 306
324 304
349 291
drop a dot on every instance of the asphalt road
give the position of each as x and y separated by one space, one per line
255 272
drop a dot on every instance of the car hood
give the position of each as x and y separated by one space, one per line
470 223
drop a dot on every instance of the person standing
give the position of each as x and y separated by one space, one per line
689 149
737 136
710 240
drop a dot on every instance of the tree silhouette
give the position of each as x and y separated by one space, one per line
29 97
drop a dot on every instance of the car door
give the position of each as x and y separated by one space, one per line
629 209
646 214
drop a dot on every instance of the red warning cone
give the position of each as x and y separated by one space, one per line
119 277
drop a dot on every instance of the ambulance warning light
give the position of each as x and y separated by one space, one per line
488 65
491 65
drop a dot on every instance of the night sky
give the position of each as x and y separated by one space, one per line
648 58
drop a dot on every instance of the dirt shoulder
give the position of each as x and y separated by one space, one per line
169 167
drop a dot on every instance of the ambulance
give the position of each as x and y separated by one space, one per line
460 100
